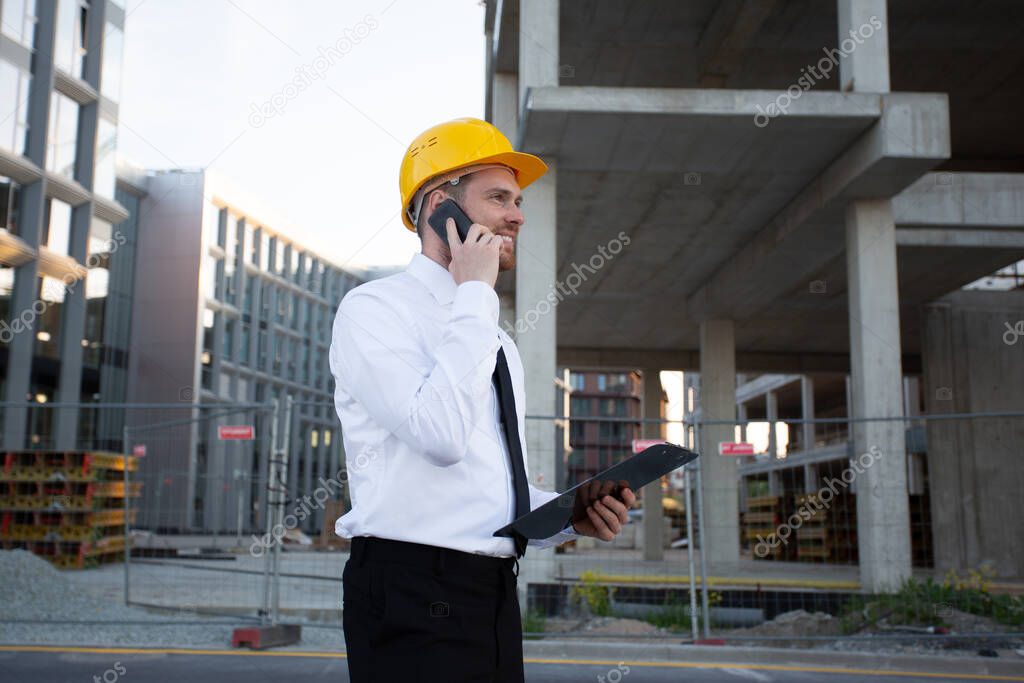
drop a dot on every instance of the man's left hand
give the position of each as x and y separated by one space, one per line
604 516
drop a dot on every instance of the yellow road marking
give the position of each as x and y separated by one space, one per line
730 581
528 660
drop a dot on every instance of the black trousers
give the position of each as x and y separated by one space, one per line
416 612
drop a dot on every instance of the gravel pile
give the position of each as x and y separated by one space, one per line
39 605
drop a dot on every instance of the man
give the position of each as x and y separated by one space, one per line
430 394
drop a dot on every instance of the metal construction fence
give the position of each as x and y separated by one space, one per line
229 509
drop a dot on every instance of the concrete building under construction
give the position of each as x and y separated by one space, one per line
798 188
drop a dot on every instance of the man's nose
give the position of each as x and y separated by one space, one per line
515 217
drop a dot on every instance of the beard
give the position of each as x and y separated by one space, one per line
507 255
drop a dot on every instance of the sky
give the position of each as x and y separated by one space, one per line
204 86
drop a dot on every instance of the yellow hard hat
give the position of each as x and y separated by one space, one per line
457 144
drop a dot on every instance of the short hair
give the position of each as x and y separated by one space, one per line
456 192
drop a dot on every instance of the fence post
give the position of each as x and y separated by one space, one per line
689 550
127 515
265 612
281 460
703 557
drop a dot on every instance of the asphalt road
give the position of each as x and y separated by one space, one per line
244 667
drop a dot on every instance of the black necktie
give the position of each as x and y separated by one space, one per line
507 404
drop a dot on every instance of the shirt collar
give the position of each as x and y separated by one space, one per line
434 277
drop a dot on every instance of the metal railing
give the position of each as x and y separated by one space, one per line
192 538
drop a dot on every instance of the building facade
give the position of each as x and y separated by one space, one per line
66 253
596 445
228 310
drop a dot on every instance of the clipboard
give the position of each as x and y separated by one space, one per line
634 472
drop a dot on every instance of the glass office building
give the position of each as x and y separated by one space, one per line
66 241
229 310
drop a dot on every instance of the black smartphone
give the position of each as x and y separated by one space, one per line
449 209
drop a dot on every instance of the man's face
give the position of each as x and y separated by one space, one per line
492 198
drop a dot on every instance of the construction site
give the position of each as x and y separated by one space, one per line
787 235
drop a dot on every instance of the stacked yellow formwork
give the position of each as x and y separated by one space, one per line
66 506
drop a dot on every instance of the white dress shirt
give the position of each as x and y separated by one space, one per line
413 357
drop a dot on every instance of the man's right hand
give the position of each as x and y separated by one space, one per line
477 257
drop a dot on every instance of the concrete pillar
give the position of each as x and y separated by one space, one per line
505 104
811 483
807 412
654 532
535 278
507 312
535 273
863 45
883 519
741 417
911 396
771 410
538 44
720 474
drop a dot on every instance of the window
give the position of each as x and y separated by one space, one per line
249 244
577 380
47 324
211 221
63 136
6 289
110 78
304 367
577 432
602 382
261 350
297 304
619 383
250 284
106 159
264 249
293 270
264 300
209 323
243 346
97 288
58 226
10 193
283 299
13 89
19 21
229 338
274 255
71 39
579 407
611 432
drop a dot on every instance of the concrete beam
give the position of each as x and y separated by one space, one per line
689 360
546 108
911 137
946 199
985 239
762 385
